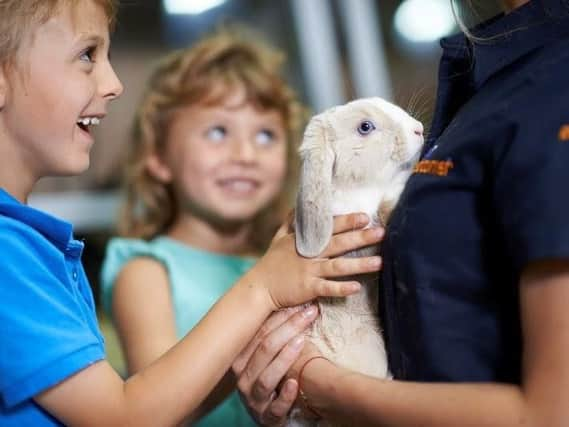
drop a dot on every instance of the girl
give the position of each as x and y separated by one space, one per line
55 84
208 181
476 261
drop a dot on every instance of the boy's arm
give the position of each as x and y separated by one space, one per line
173 386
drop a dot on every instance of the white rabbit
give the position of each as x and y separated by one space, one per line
355 158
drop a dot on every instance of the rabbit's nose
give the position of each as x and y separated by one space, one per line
419 129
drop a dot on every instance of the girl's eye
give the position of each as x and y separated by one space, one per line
216 133
366 127
265 137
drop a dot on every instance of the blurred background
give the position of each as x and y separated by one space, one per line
337 50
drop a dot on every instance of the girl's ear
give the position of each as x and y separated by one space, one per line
158 169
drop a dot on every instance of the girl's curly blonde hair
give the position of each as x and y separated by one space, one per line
19 17
229 58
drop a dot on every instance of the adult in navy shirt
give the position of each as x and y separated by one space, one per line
475 283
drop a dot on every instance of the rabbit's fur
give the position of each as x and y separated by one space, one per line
347 169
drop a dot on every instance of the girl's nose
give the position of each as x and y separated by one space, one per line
243 150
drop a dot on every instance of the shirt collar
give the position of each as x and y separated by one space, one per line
509 37
54 229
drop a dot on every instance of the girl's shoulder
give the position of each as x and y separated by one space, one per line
119 252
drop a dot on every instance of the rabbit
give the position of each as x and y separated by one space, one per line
355 157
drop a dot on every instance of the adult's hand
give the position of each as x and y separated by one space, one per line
262 366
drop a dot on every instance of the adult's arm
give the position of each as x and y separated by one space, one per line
541 400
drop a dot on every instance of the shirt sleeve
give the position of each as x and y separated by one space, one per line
119 252
44 333
532 183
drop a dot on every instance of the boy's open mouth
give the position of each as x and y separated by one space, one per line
85 123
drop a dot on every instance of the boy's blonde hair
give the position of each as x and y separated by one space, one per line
18 17
204 74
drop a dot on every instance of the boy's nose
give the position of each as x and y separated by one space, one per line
111 86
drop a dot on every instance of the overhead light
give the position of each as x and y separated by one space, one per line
424 21
190 7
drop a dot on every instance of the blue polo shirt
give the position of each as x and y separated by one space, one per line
488 197
48 327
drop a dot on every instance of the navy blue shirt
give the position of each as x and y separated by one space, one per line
48 327
488 197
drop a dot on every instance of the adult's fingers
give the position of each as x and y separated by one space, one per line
276 412
273 322
349 241
270 360
272 375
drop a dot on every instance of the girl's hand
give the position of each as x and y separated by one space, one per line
291 279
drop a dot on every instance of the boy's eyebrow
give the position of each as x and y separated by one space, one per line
86 37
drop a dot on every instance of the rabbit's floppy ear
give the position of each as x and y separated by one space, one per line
313 215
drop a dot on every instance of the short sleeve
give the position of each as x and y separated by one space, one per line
45 336
118 253
532 183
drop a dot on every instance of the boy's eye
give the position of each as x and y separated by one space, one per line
265 137
88 54
216 133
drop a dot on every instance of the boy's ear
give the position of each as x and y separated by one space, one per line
158 169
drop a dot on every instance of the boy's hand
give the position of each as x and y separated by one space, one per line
291 279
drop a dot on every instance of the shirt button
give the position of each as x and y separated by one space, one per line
75 275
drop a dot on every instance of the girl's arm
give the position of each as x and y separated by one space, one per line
540 401
173 386
144 318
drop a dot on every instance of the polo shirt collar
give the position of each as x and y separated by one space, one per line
510 37
57 231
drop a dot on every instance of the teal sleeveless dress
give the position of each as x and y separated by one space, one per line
197 279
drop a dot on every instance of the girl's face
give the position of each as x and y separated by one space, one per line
226 162
58 90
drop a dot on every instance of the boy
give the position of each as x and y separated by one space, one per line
55 84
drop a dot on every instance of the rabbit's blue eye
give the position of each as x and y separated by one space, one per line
366 127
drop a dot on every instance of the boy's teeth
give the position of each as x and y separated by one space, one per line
89 121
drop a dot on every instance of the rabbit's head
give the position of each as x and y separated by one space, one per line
364 143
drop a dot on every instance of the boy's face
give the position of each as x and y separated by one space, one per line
58 90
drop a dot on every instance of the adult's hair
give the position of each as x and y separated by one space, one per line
19 17
229 58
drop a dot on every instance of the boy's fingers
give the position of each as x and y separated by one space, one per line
349 222
283 230
345 242
330 288
341 267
